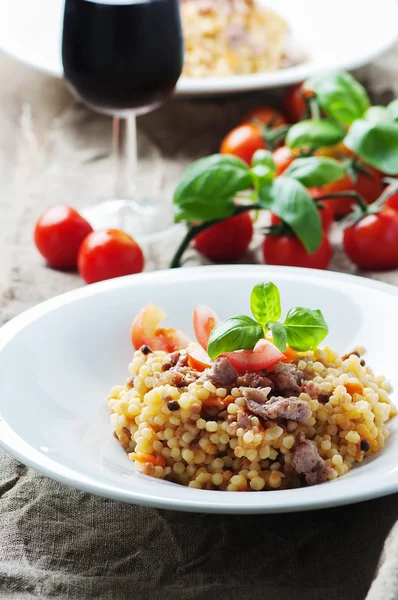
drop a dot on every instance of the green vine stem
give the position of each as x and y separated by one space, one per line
194 230
357 197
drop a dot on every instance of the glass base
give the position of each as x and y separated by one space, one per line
141 221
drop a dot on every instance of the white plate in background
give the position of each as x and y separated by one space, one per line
59 360
343 34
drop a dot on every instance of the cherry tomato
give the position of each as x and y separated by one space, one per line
326 214
58 235
288 250
263 356
372 242
108 254
226 241
283 157
204 321
268 116
368 185
198 358
145 331
243 141
294 104
392 201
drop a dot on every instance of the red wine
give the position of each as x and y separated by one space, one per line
122 55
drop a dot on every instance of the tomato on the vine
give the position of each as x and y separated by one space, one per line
108 254
243 141
294 104
372 242
226 241
288 250
369 185
268 116
58 235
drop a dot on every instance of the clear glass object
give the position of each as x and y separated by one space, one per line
123 58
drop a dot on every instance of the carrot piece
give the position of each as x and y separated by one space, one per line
290 354
354 388
216 402
143 457
160 461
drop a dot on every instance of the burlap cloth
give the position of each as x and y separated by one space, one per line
57 542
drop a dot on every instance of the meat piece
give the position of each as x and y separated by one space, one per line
254 380
243 419
306 460
276 407
287 379
177 358
221 373
177 376
305 456
318 475
292 409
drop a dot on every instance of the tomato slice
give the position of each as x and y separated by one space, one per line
198 358
145 331
204 321
263 356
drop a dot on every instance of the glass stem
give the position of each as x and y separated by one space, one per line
125 149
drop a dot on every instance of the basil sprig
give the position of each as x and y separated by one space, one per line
303 329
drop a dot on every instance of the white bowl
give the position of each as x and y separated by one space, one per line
59 360
339 35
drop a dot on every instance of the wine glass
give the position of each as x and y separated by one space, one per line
123 58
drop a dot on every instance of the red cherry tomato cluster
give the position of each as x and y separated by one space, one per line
66 240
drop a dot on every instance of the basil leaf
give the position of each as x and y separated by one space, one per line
340 96
305 328
279 335
392 109
374 114
208 187
376 143
315 171
265 302
314 133
265 158
202 212
261 175
291 202
236 333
